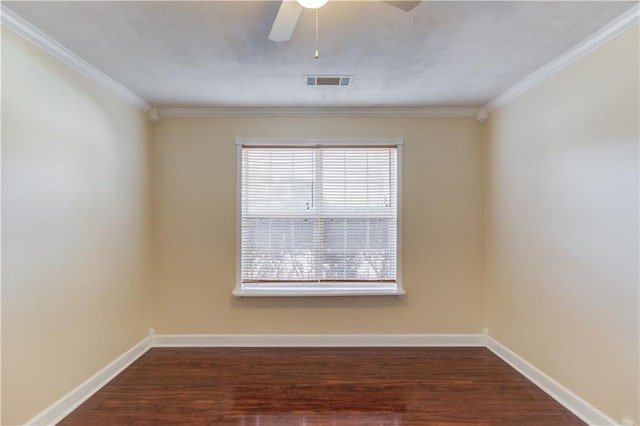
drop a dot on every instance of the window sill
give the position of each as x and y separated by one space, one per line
317 291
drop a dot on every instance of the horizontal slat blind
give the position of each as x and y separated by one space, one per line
319 214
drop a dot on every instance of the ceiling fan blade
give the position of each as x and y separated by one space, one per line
285 21
404 5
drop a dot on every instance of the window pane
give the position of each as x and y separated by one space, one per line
277 181
358 181
278 249
358 249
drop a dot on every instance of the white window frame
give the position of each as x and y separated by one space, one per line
320 289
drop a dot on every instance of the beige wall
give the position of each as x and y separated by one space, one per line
194 163
75 291
562 212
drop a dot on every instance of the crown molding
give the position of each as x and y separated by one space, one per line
14 22
318 111
622 23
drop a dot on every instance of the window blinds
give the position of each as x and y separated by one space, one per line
318 214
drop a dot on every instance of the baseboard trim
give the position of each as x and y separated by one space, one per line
578 406
318 340
65 405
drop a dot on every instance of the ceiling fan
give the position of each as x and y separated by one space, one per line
289 12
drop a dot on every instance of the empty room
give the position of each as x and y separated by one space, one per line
312 212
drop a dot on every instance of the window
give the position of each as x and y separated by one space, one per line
318 218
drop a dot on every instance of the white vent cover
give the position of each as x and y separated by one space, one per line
328 80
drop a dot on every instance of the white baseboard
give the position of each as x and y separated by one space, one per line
65 405
319 340
564 396
578 406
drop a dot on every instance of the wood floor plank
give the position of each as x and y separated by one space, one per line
320 386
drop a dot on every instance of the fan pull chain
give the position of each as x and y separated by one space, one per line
317 53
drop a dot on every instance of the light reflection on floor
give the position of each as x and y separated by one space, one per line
320 420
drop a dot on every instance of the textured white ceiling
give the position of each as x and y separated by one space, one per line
208 53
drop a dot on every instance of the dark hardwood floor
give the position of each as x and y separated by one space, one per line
320 386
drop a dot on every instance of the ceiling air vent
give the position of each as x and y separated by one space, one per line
329 80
